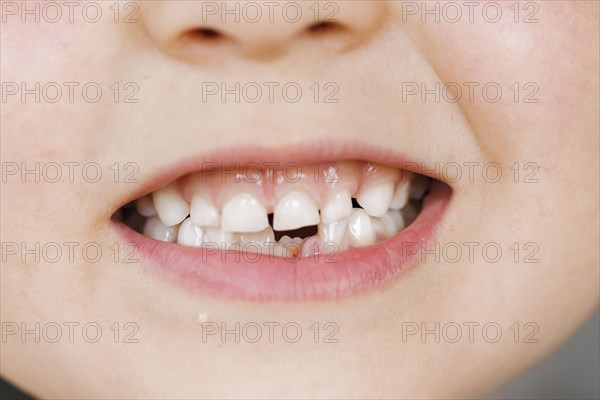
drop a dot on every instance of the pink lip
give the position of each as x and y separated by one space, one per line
299 154
261 277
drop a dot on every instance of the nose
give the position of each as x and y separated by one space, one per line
194 30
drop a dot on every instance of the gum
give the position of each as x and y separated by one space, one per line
268 183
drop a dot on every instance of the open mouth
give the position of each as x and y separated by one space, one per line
286 230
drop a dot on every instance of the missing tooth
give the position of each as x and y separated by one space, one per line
301 233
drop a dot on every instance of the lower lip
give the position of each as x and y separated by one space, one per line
261 277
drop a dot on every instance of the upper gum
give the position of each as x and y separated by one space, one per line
220 186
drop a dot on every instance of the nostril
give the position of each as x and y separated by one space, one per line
324 27
204 35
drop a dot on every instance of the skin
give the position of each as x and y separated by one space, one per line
170 123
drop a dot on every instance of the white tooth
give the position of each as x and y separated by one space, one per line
419 186
295 210
171 207
375 198
155 229
262 238
334 233
312 246
391 223
361 231
400 197
262 242
339 206
189 234
217 237
286 239
244 213
204 212
145 206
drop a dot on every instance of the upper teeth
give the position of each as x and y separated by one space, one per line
375 199
172 208
400 197
244 213
204 212
295 210
337 208
242 217
145 206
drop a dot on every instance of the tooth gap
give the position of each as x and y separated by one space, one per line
302 233
355 203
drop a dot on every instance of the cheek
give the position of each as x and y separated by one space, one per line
47 114
530 81
38 59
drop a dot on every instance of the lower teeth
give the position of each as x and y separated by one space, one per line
305 242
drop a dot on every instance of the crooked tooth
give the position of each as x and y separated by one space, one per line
189 234
155 229
170 206
145 207
295 210
204 212
400 197
244 213
361 230
391 223
338 207
376 198
217 236
334 235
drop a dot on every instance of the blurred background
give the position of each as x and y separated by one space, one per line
572 372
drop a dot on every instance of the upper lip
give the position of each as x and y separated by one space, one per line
323 151
308 279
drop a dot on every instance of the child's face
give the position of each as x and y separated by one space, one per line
510 263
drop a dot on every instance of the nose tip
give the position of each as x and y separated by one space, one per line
260 30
